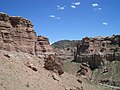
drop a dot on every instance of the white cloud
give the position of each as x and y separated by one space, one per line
76 3
58 18
99 9
73 6
60 7
105 23
52 16
95 5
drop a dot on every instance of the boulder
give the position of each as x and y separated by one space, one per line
52 63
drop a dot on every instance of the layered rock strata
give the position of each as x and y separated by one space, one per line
95 51
42 47
17 34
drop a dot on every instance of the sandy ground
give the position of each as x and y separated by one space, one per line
16 75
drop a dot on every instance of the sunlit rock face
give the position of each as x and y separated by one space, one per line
97 50
17 34
42 47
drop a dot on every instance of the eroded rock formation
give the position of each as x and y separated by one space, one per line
17 34
95 51
42 47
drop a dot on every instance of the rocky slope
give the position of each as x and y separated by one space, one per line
16 74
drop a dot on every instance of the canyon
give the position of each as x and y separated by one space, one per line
97 59
29 62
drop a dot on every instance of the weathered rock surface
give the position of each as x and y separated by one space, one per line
54 64
97 50
84 71
42 47
17 34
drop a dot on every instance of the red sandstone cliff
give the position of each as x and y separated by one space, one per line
95 51
17 34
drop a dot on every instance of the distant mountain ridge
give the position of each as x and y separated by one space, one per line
64 49
65 44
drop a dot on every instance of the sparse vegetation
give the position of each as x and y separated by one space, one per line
71 67
27 85
65 44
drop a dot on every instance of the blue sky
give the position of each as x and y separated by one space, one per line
67 19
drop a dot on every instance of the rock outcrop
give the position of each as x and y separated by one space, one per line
97 50
17 34
42 47
54 64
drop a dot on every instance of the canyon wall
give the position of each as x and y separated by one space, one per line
17 34
95 51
